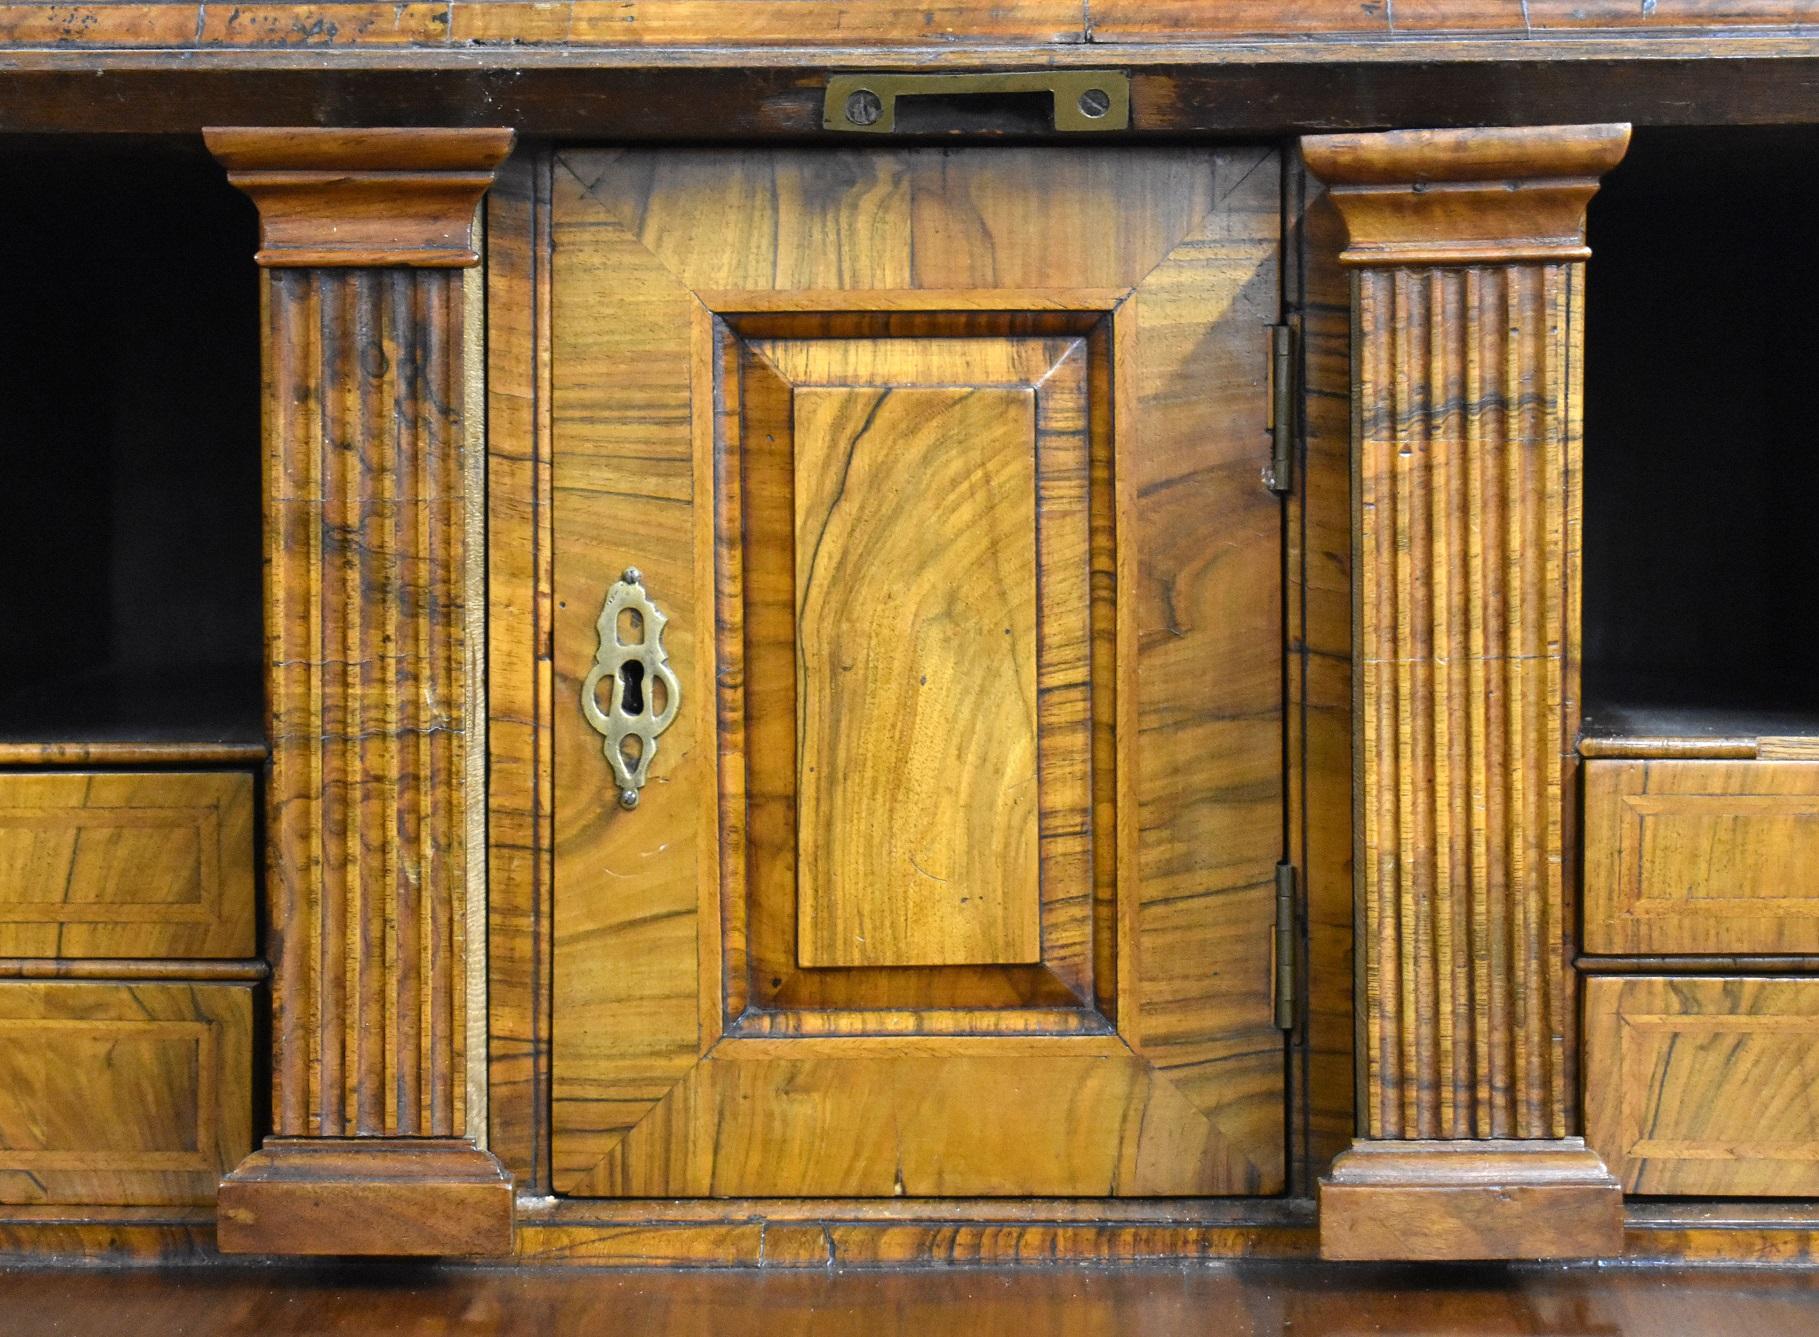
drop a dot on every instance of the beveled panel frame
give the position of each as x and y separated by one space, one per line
1061 356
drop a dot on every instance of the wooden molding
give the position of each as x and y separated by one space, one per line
354 1196
1470 1200
341 198
1467 299
369 580
1460 197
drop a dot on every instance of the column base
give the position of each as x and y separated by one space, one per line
425 1197
1470 1200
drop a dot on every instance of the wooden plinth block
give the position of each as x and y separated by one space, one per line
367 1196
1470 1200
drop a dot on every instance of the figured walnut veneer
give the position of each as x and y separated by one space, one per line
1467 249
367 678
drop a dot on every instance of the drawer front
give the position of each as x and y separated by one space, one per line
123 1094
1689 857
126 865
1705 1087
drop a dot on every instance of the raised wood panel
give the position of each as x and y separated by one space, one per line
1688 857
1707 1087
126 865
916 786
700 300
122 1093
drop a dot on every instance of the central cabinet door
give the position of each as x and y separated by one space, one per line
952 875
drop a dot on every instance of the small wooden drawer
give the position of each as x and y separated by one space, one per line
126 865
1701 857
1704 1086
122 1094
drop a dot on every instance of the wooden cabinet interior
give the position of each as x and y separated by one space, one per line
1699 559
129 517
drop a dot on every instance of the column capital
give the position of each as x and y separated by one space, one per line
1464 197
349 198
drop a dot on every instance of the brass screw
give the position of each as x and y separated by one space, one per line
864 107
1095 102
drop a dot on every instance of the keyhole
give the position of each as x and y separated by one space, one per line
631 684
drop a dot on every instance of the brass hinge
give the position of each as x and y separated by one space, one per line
1285 946
1279 473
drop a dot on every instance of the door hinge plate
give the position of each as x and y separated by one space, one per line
1279 473
1285 946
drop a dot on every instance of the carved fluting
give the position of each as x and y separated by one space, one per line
371 799
368 680
1466 382
1468 250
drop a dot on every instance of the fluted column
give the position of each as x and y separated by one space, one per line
364 236
1468 256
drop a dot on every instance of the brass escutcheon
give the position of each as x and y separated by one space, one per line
638 669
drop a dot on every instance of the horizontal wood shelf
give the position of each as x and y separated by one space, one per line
124 970
132 753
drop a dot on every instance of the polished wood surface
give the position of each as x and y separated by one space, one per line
916 579
126 864
355 1196
520 606
367 617
759 619
609 23
685 280
122 1093
1467 250
1318 593
1469 1199
1701 857
1704 1086
1247 1300
333 198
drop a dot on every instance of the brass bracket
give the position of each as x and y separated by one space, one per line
1084 100
640 671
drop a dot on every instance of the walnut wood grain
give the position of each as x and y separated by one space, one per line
128 864
1318 591
1438 1200
680 1066
758 618
368 657
916 642
132 1093
136 753
332 198
1467 250
1704 1086
355 1196
520 605
1707 857
468 24
1424 198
